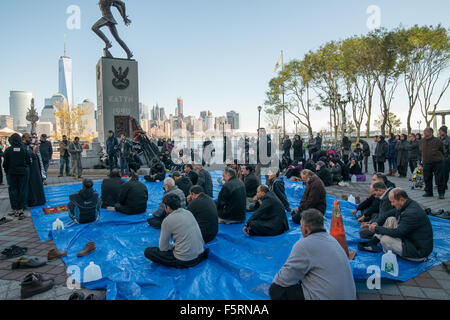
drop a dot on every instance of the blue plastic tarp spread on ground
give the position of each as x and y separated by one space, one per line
238 267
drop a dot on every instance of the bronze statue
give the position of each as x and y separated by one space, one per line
109 21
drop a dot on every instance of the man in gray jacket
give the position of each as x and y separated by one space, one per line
317 268
187 247
75 150
160 214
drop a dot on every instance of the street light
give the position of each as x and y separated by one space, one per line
419 123
259 117
296 122
344 103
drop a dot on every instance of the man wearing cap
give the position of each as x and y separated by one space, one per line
446 141
46 153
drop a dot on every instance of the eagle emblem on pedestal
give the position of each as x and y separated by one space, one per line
120 80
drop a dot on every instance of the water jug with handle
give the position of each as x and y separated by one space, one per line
58 225
389 263
92 272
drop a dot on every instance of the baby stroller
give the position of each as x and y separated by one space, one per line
417 181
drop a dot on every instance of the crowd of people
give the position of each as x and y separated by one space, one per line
189 216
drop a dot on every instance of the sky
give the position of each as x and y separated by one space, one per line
216 55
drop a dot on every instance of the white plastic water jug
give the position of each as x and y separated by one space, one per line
58 225
92 272
352 199
354 179
389 263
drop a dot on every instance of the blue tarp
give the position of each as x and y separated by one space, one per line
238 267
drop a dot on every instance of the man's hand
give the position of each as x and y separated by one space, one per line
246 230
354 212
360 220
255 199
189 198
365 225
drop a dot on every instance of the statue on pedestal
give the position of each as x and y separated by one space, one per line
109 21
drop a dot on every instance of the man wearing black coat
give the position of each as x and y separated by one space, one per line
157 172
381 153
46 152
111 189
204 180
112 146
287 145
232 199
406 231
183 183
324 174
269 218
251 183
189 170
204 210
133 197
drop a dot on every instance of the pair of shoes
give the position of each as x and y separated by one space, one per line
90 247
55 254
80 296
34 284
13 213
13 252
27 263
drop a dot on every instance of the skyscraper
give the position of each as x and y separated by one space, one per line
66 78
233 119
19 103
180 112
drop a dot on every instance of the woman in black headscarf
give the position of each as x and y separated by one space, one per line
36 195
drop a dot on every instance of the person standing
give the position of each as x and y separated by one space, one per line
75 150
124 153
380 153
287 145
298 148
373 149
46 153
402 156
432 150
64 156
366 155
446 141
16 165
1 157
346 149
413 152
392 155
112 146
35 191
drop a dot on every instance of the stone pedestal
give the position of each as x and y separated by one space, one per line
117 96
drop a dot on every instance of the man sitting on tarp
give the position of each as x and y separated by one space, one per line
385 208
160 214
111 189
187 247
204 180
407 231
381 177
182 182
134 162
314 197
317 268
84 206
157 172
232 199
204 210
251 183
133 197
276 184
189 170
269 218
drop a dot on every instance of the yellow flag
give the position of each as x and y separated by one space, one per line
279 63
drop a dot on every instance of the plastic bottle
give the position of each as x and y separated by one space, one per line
92 272
58 225
389 263
352 199
354 179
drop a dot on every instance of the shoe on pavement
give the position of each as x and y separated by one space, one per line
34 284
90 247
28 262
77 296
441 197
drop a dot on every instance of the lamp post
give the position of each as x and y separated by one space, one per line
419 123
344 103
259 117
296 122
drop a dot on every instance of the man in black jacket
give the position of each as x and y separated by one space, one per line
46 153
276 184
182 182
269 218
251 183
16 165
287 145
369 207
381 153
124 153
112 146
157 172
111 188
204 180
133 197
324 173
204 210
407 231
232 199
189 170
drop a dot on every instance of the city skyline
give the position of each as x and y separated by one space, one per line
223 66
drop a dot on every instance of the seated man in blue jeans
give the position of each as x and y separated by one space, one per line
317 268
187 247
84 206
